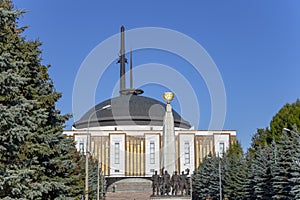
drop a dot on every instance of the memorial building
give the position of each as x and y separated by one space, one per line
132 135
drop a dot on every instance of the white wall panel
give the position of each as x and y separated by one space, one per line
150 168
186 138
117 169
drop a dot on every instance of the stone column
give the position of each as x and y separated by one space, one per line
168 139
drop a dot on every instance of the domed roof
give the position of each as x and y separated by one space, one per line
128 110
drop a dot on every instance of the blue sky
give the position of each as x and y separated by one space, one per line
255 45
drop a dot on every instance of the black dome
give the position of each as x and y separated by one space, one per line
128 110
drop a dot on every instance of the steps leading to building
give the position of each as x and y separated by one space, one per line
128 196
131 185
130 189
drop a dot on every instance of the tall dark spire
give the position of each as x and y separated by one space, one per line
122 61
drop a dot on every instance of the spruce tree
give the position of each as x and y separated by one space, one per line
295 167
234 172
250 182
206 179
259 183
36 160
263 165
286 148
274 158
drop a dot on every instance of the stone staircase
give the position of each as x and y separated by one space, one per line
130 189
128 195
131 185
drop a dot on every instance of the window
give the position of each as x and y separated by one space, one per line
186 153
117 153
222 149
81 147
152 153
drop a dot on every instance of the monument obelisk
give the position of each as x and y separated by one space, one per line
168 138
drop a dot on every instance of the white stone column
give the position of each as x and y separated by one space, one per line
168 145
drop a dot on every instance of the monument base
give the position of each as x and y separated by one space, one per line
170 197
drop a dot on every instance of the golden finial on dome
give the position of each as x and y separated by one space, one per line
168 96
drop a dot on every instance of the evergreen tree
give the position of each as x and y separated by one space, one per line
287 117
250 182
263 164
206 179
286 148
259 183
273 158
234 172
295 168
93 178
36 160
260 139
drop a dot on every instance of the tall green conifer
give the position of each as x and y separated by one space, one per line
234 172
250 182
286 149
206 179
295 168
263 165
36 160
286 181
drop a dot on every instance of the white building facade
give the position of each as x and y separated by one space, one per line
137 153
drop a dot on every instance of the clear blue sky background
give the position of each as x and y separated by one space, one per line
254 43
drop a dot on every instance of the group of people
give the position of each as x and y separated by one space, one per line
167 185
